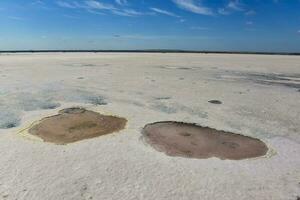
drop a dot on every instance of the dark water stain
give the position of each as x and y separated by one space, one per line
272 79
173 67
184 68
165 108
10 125
97 100
176 107
80 65
290 85
163 98
192 111
51 105
215 101
89 65
32 103
139 93
163 67
14 122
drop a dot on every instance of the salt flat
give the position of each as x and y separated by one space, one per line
260 98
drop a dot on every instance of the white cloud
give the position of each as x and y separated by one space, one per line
164 12
191 6
249 23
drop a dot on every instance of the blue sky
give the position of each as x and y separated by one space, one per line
223 25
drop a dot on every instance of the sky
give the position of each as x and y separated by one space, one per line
212 25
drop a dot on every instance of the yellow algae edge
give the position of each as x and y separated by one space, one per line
24 132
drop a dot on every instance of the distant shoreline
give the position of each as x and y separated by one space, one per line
149 51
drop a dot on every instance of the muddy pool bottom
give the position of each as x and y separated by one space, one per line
74 124
190 140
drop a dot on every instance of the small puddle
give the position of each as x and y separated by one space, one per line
193 141
74 124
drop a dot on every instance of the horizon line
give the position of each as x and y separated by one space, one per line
150 51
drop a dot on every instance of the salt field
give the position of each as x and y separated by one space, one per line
256 96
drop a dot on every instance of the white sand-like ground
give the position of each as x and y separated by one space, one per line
260 95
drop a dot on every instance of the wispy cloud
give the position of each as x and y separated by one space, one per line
128 12
154 37
121 2
96 12
192 6
199 28
250 12
71 5
37 2
223 11
93 6
71 17
164 12
41 4
16 18
233 5
98 5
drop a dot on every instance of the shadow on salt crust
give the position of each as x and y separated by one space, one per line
74 124
193 141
